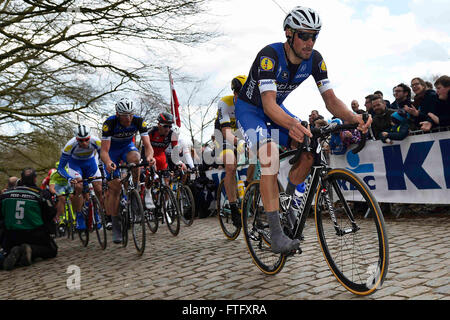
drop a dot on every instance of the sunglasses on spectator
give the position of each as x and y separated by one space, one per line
306 36
83 140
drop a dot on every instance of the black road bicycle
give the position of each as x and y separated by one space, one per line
93 214
355 249
131 212
165 206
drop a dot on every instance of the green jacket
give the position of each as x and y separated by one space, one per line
23 208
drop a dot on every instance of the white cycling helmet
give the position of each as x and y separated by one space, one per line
82 132
302 18
124 106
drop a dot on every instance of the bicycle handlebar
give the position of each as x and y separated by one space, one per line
325 131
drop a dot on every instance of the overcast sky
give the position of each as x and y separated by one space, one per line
367 45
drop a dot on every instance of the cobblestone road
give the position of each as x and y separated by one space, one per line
201 264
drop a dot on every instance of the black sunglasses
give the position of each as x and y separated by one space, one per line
306 36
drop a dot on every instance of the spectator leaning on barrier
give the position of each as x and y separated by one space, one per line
399 129
368 104
402 94
379 93
382 118
441 116
355 106
26 213
425 101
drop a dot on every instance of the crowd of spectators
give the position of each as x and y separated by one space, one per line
420 106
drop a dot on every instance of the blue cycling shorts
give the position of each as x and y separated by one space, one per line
119 153
257 128
83 168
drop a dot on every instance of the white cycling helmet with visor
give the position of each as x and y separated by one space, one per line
82 132
125 106
303 18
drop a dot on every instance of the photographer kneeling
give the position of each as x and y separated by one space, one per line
26 215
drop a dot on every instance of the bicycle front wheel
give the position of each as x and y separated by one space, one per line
257 232
170 210
137 221
186 203
124 220
230 231
356 249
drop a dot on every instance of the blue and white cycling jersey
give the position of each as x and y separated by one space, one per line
82 161
271 71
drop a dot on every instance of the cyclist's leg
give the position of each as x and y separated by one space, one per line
74 169
132 155
113 194
230 182
253 124
299 170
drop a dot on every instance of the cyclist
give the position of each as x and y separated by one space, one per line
181 153
226 125
278 69
59 185
80 155
161 136
116 145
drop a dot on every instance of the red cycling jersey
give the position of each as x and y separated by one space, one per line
160 144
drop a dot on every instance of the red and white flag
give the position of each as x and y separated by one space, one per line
174 102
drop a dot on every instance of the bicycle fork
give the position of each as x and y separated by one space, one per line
325 195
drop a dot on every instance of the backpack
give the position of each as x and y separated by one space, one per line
203 190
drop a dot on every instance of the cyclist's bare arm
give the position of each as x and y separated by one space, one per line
340 110
104 154
148 148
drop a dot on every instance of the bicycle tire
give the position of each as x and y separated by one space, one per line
99 219
230 231
70 222
150 214
257 232
187 212
84 234
124 220
170 210
137 221
359 277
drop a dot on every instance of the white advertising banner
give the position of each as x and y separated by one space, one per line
414 170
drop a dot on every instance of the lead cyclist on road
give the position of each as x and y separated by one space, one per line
278 69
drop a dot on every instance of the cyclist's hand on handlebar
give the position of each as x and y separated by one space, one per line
363 127
151 161
298 131
110 167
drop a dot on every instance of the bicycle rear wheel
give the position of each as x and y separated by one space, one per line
170 210
356 249
124 219
99 222
186 203
84 234
70 220
150 213
230 231
137 221
257 232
